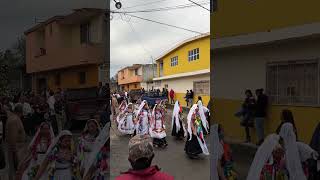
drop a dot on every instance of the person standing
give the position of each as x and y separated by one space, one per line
16 138
187 97
260 114
52 114
191 97
172 96
246 113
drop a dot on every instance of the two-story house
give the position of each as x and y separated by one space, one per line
68 51
130 77
186 67
267 44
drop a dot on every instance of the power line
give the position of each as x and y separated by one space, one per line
144 4
182 6
177 27
200 5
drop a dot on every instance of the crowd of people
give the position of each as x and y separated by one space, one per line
39 146
140 121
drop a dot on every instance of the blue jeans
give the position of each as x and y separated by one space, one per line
259 122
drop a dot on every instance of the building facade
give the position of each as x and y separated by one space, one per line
68 51
186 67
130 78
272 50
149 71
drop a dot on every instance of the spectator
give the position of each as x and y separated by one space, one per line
15 137
52 114
172 96
191 97
260 114
187 97
140 157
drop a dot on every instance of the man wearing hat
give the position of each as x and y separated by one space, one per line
140 157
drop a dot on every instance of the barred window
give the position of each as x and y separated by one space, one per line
293 82
193 54
201 88
174 61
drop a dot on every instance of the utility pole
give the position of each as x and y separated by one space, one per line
106 64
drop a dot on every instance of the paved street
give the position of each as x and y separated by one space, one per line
171 160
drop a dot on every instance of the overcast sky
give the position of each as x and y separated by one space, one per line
148 39
16 16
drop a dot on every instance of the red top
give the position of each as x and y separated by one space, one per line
151 173
172 93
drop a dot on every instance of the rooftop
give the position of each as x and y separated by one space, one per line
78 16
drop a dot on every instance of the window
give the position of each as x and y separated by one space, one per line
201 88
57 79
85 33
174 61
293 82
136 72
135 86
82 77
157 83
193 54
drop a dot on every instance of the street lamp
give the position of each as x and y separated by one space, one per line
118 4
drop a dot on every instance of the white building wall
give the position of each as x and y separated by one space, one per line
181 85
236 70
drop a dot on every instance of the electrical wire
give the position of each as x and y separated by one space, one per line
169 25
182 6
144 4
199 5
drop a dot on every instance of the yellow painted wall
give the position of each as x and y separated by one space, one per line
234 17
181 99
306 119
70 78
183 64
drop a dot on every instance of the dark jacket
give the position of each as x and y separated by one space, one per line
261 106
151 173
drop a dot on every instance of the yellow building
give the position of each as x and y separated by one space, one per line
68 51
186 67
266 44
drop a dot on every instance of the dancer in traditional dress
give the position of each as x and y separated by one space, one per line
122 106
61 160
178 127
280 157
269 162
97 166
125 120
87 140
37 150
197 124
142 121
221 157
157 128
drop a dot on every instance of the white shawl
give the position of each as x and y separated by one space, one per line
262 155
293 161
175 116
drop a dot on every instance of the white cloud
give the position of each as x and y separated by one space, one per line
126 45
